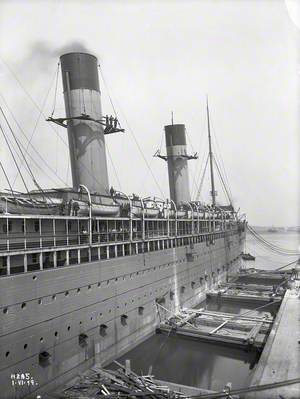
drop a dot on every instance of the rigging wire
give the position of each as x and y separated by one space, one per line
199 165
200 175
55 91
222 180
253 388
114 168
267 242
131 132
33 148
192 170
51 126
7 179
221 158
202 179
271 246
23 156
14 159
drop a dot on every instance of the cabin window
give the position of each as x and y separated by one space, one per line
36 226
7 225
3 261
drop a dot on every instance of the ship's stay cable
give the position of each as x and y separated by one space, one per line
193 171
221 158
29 143
24 157
55 91
225 187
35 126
7 179
132 133
114 168
202 179
253 388
263 240
45 116
288 264
196 192
272 249
268 250
199 165
14 159
34 161
271 246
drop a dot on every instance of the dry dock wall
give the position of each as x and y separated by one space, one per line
48 310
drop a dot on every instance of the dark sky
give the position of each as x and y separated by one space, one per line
158 56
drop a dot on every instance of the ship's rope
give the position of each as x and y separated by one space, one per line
7 179
255 388
225 188
114 168
288 264
29 143
13 157
55 90
132 134
23 156
202 179
45 116
271 246
224 173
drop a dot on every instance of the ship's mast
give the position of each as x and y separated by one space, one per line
213 192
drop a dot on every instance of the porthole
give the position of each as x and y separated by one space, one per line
69 328
7 354
5 310
91 318
40 301
23 305
56 334
25 346
66 293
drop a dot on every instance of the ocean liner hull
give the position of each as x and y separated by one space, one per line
96 311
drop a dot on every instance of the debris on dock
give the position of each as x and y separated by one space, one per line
99 383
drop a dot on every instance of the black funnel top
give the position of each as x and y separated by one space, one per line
82 70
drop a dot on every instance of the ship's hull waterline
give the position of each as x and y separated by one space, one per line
98 310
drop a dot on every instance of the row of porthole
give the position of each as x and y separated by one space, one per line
23 305
69 328
131 275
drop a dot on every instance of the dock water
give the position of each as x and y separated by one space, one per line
223 343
